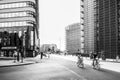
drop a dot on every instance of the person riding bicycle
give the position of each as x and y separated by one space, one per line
80 59
95 58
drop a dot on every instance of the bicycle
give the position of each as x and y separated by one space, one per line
96 64
80 63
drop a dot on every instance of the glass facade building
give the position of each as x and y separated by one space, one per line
73 38
108 18
82 24
21 17
87 10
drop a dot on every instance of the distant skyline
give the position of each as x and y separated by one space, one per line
55 15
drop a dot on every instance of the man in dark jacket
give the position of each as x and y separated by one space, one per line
41 55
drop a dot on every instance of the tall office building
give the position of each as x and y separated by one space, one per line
73 38
82 24
20 17
87 10
108 18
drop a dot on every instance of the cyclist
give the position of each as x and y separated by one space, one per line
80 60
94 58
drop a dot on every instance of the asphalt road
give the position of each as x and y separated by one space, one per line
55 69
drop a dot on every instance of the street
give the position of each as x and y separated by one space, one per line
55 68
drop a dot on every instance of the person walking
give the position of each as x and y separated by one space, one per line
18 55
22 56
41 55
15 56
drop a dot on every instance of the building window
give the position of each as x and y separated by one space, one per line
17 14
16 5
31 4
15 24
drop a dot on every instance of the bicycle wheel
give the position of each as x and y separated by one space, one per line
98 66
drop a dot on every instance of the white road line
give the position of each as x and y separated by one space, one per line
83 78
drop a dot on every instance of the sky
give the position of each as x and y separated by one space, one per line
55 15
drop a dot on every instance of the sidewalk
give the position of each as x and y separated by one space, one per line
109 64
8 62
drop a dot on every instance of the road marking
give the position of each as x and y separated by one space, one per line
83 78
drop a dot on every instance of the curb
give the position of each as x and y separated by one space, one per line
17 65
28 61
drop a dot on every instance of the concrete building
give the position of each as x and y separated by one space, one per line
21 17
73 38
108 19
87 22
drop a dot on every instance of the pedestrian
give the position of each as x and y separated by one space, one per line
18 55
48 53
22 56
41 55
15 55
